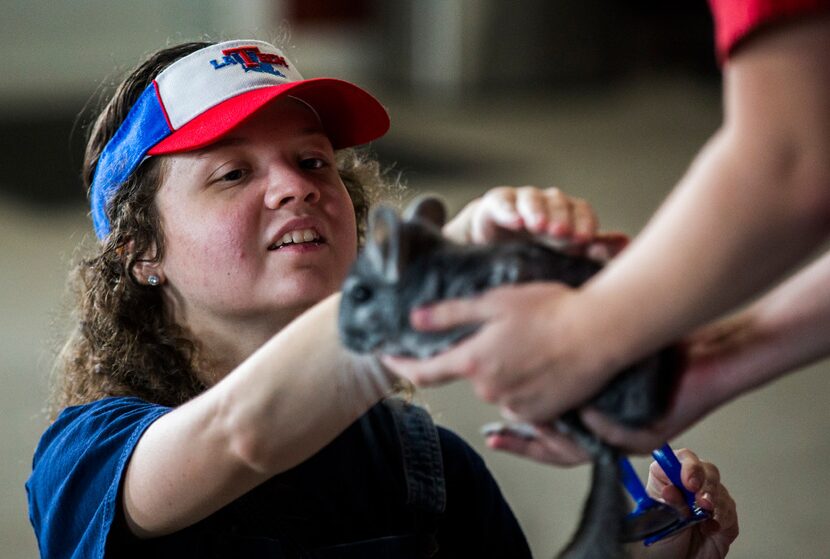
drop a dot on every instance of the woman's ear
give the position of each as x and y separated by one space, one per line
148 273
146 269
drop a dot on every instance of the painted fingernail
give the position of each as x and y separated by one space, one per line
560 229
420 318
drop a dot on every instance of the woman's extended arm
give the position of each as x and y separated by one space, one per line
276 409
296 393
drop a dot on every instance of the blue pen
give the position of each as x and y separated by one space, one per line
649 517
651 520
671 465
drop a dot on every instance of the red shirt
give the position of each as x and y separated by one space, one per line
735 20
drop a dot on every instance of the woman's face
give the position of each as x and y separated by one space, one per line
258 226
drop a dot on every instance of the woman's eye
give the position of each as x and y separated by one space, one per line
233 176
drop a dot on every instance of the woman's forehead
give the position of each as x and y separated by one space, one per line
283 119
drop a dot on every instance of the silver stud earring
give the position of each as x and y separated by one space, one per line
153 280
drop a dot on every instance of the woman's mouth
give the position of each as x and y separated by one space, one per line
296 237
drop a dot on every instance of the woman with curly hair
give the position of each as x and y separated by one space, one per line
205 406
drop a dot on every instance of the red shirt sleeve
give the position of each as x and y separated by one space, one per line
737 19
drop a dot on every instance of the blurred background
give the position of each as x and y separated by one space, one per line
609 101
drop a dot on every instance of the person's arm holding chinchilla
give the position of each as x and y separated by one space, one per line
750 209
784 330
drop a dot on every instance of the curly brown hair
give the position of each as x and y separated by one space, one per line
124 342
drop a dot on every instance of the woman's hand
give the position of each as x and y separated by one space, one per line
549 215
521 358
504 367
538 443
709 539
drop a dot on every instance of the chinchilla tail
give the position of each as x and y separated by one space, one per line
598 535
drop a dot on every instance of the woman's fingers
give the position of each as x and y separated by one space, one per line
709 494
532 207
496 209
701 478
567 222
543 445
585 223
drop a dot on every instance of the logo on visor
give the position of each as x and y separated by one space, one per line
251 60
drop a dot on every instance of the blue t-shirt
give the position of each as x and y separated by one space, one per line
76 474
348 500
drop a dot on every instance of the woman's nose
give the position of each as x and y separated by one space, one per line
290 187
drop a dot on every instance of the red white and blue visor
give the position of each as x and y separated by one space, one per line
203 96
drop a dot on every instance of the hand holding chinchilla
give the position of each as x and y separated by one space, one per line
407 263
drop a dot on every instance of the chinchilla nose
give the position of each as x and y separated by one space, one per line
358 339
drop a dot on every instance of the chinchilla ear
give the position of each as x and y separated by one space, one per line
427 208
384 244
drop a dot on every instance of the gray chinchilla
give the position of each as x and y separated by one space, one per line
407 263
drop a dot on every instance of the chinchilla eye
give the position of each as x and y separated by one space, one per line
360 293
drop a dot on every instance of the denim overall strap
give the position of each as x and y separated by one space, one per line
423 468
